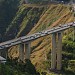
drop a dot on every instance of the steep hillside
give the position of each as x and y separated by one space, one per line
54 16
31 18
34 18
25 19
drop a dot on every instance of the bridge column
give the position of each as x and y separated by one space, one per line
59 51
53 52
21 52
0 52
27 50
73 33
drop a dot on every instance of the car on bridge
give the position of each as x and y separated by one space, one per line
7 45
2 46
2 60
70 23
37 34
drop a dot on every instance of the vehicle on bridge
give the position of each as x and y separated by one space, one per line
2 60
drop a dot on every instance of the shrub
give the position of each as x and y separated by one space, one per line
71 65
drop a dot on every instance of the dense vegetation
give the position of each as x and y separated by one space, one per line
8 9
13 67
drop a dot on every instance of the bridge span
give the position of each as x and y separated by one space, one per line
24 44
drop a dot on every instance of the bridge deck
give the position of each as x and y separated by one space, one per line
35 36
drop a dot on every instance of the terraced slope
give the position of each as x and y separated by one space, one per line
34 18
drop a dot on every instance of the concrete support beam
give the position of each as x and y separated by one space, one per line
21 52
27 50
59 51
73 33
24 51
53 52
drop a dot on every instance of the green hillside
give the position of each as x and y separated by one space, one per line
31 18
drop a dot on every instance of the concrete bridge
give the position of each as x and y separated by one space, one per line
24 44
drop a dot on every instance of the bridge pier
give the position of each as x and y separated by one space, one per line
59 51
24 51
0 52
53 52
21 52
27 50
56 52
73 33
